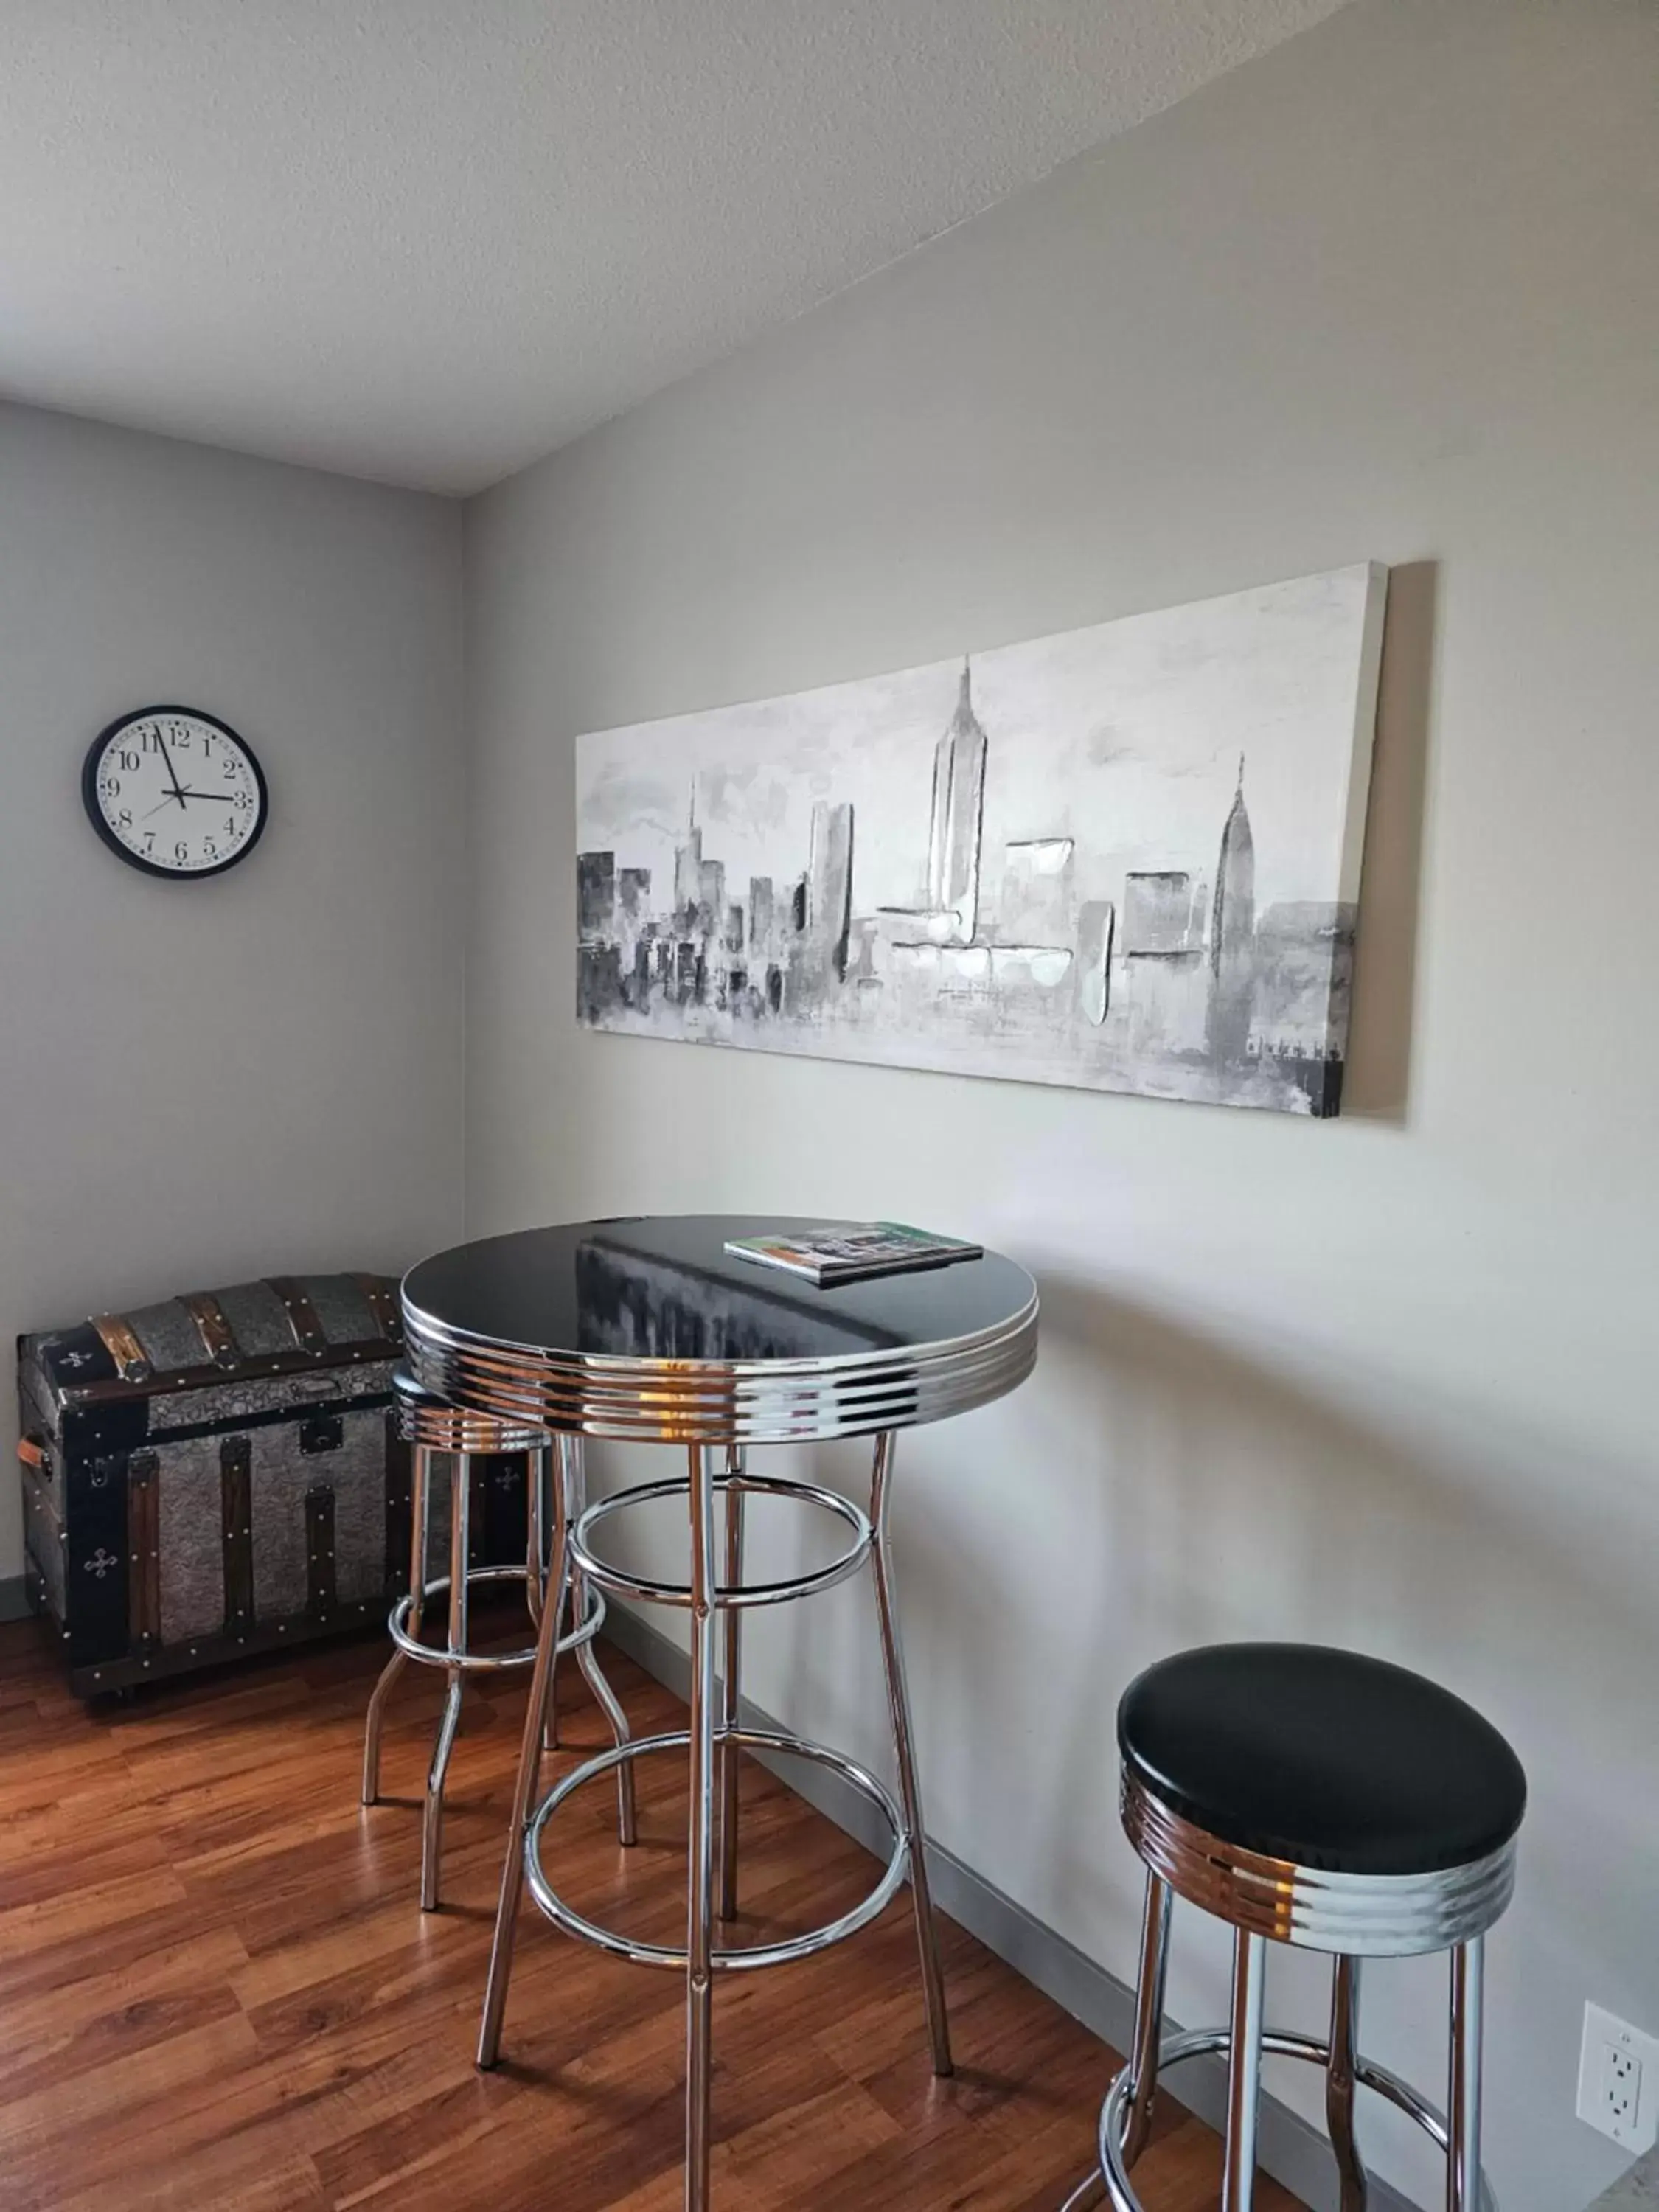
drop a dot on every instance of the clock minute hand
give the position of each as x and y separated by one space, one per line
178 788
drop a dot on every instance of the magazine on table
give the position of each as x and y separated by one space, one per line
852 1255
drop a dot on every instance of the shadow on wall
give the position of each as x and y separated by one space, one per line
1377 1085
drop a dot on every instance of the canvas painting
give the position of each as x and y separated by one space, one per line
1124 857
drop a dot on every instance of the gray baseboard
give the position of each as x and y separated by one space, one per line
13 1598
1293 2153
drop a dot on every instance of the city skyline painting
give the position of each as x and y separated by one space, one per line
1124 858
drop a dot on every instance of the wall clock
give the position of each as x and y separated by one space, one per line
175 792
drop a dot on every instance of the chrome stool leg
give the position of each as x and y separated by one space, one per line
730 1685
432 1839
524 1790
1142 2087
892 1654
700 1887
1090 2193
1244 2070
1149 2017
420 1492
1341 2080
1463 2093
574 1591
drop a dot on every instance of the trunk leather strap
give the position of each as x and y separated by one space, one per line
218 1340
302 1314
123 1347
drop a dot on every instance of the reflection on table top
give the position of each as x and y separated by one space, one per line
663 1287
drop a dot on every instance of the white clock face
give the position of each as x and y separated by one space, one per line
174 792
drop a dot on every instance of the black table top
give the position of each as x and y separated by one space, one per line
662 1287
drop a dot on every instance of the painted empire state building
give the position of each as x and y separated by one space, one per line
1232 935
958 803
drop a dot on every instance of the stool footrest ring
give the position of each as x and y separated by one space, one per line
436 1594
725 1959
1200 2043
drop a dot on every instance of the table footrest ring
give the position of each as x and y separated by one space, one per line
620 1583
1200 2043
436 1597
724 1958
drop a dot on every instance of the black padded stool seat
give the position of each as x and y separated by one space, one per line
1323 1757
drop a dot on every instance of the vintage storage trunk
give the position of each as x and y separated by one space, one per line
222 1474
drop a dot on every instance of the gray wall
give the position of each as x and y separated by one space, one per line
202 1082
1389 293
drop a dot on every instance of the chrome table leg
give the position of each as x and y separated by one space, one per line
432 1839
1463 2095
1149 2017
1244 2070
611 1705
524 1789
730 1684
573 1466
550 1737
700 1886
535 1560
1340 2082
933 1979
419 1494
542 1471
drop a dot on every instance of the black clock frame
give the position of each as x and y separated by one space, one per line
94 760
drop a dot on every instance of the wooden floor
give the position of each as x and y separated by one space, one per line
216 1989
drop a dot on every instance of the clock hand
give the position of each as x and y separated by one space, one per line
178 791
224 797
168 801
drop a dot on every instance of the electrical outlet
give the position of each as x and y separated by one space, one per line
1619 2081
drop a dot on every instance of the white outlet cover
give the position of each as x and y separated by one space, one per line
1605 2034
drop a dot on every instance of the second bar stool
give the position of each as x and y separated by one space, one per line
1326 1799
430 1426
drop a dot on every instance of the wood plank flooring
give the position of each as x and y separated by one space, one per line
216 1990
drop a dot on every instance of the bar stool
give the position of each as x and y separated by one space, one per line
1329 1800
430 1426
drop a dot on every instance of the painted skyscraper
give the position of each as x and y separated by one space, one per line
688 863
1232 934
829 885
958 803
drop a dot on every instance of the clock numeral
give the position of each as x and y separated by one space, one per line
123 819
245 799
209 848
230 825
181 851
150 741
109 786
149 840
127 760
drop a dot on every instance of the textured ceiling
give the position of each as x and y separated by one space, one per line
427 241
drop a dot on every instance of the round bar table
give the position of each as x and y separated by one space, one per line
645 1329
